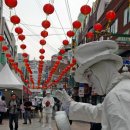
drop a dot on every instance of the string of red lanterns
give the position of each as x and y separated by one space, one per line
64 71
48 9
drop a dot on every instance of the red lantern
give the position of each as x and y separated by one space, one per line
85 9
44 33
76 24
21 37
59 57
23 46
62 51
90 35
41 57
46 24
10 60
74 61
42 51
26 81
8 55
70 33
25 55
11 3
15 19
98 27
18 30
1 38
43 42
65 42
4 48
48 8
110 15
41 62
25 60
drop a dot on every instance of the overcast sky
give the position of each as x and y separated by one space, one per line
32 15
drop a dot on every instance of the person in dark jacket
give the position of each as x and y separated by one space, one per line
14 107
27 113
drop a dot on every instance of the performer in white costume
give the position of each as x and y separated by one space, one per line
47 104
98 66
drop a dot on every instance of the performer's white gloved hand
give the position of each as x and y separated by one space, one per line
63 96
65 99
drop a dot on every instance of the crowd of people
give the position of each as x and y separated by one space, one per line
45 107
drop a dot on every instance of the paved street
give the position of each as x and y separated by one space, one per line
37 126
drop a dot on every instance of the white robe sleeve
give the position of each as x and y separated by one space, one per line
85 112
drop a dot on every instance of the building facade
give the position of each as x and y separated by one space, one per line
9 38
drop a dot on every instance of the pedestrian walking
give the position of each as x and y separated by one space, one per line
14 107
40 113
3 108
47 104
98 66
27 113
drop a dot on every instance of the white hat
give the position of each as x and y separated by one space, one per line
48 91
93 52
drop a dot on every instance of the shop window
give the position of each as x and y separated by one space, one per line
126 16
114 27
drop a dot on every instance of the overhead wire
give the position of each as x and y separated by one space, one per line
69 13
60 23
32 32
39 3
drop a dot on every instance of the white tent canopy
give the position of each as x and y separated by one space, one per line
8 79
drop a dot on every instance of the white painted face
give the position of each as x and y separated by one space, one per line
93 81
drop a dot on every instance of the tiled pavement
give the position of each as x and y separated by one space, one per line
37 126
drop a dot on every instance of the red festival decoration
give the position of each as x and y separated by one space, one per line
43 42
48 8
4 48
65 42
25 55
42 51
76 24
110 15
11 3
46 24
90 35
98 27
41 57
1 38
23 46
74 61
70 33
44 33
8 55
21 37
85 9
62 51
18 30
59 57
15 19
